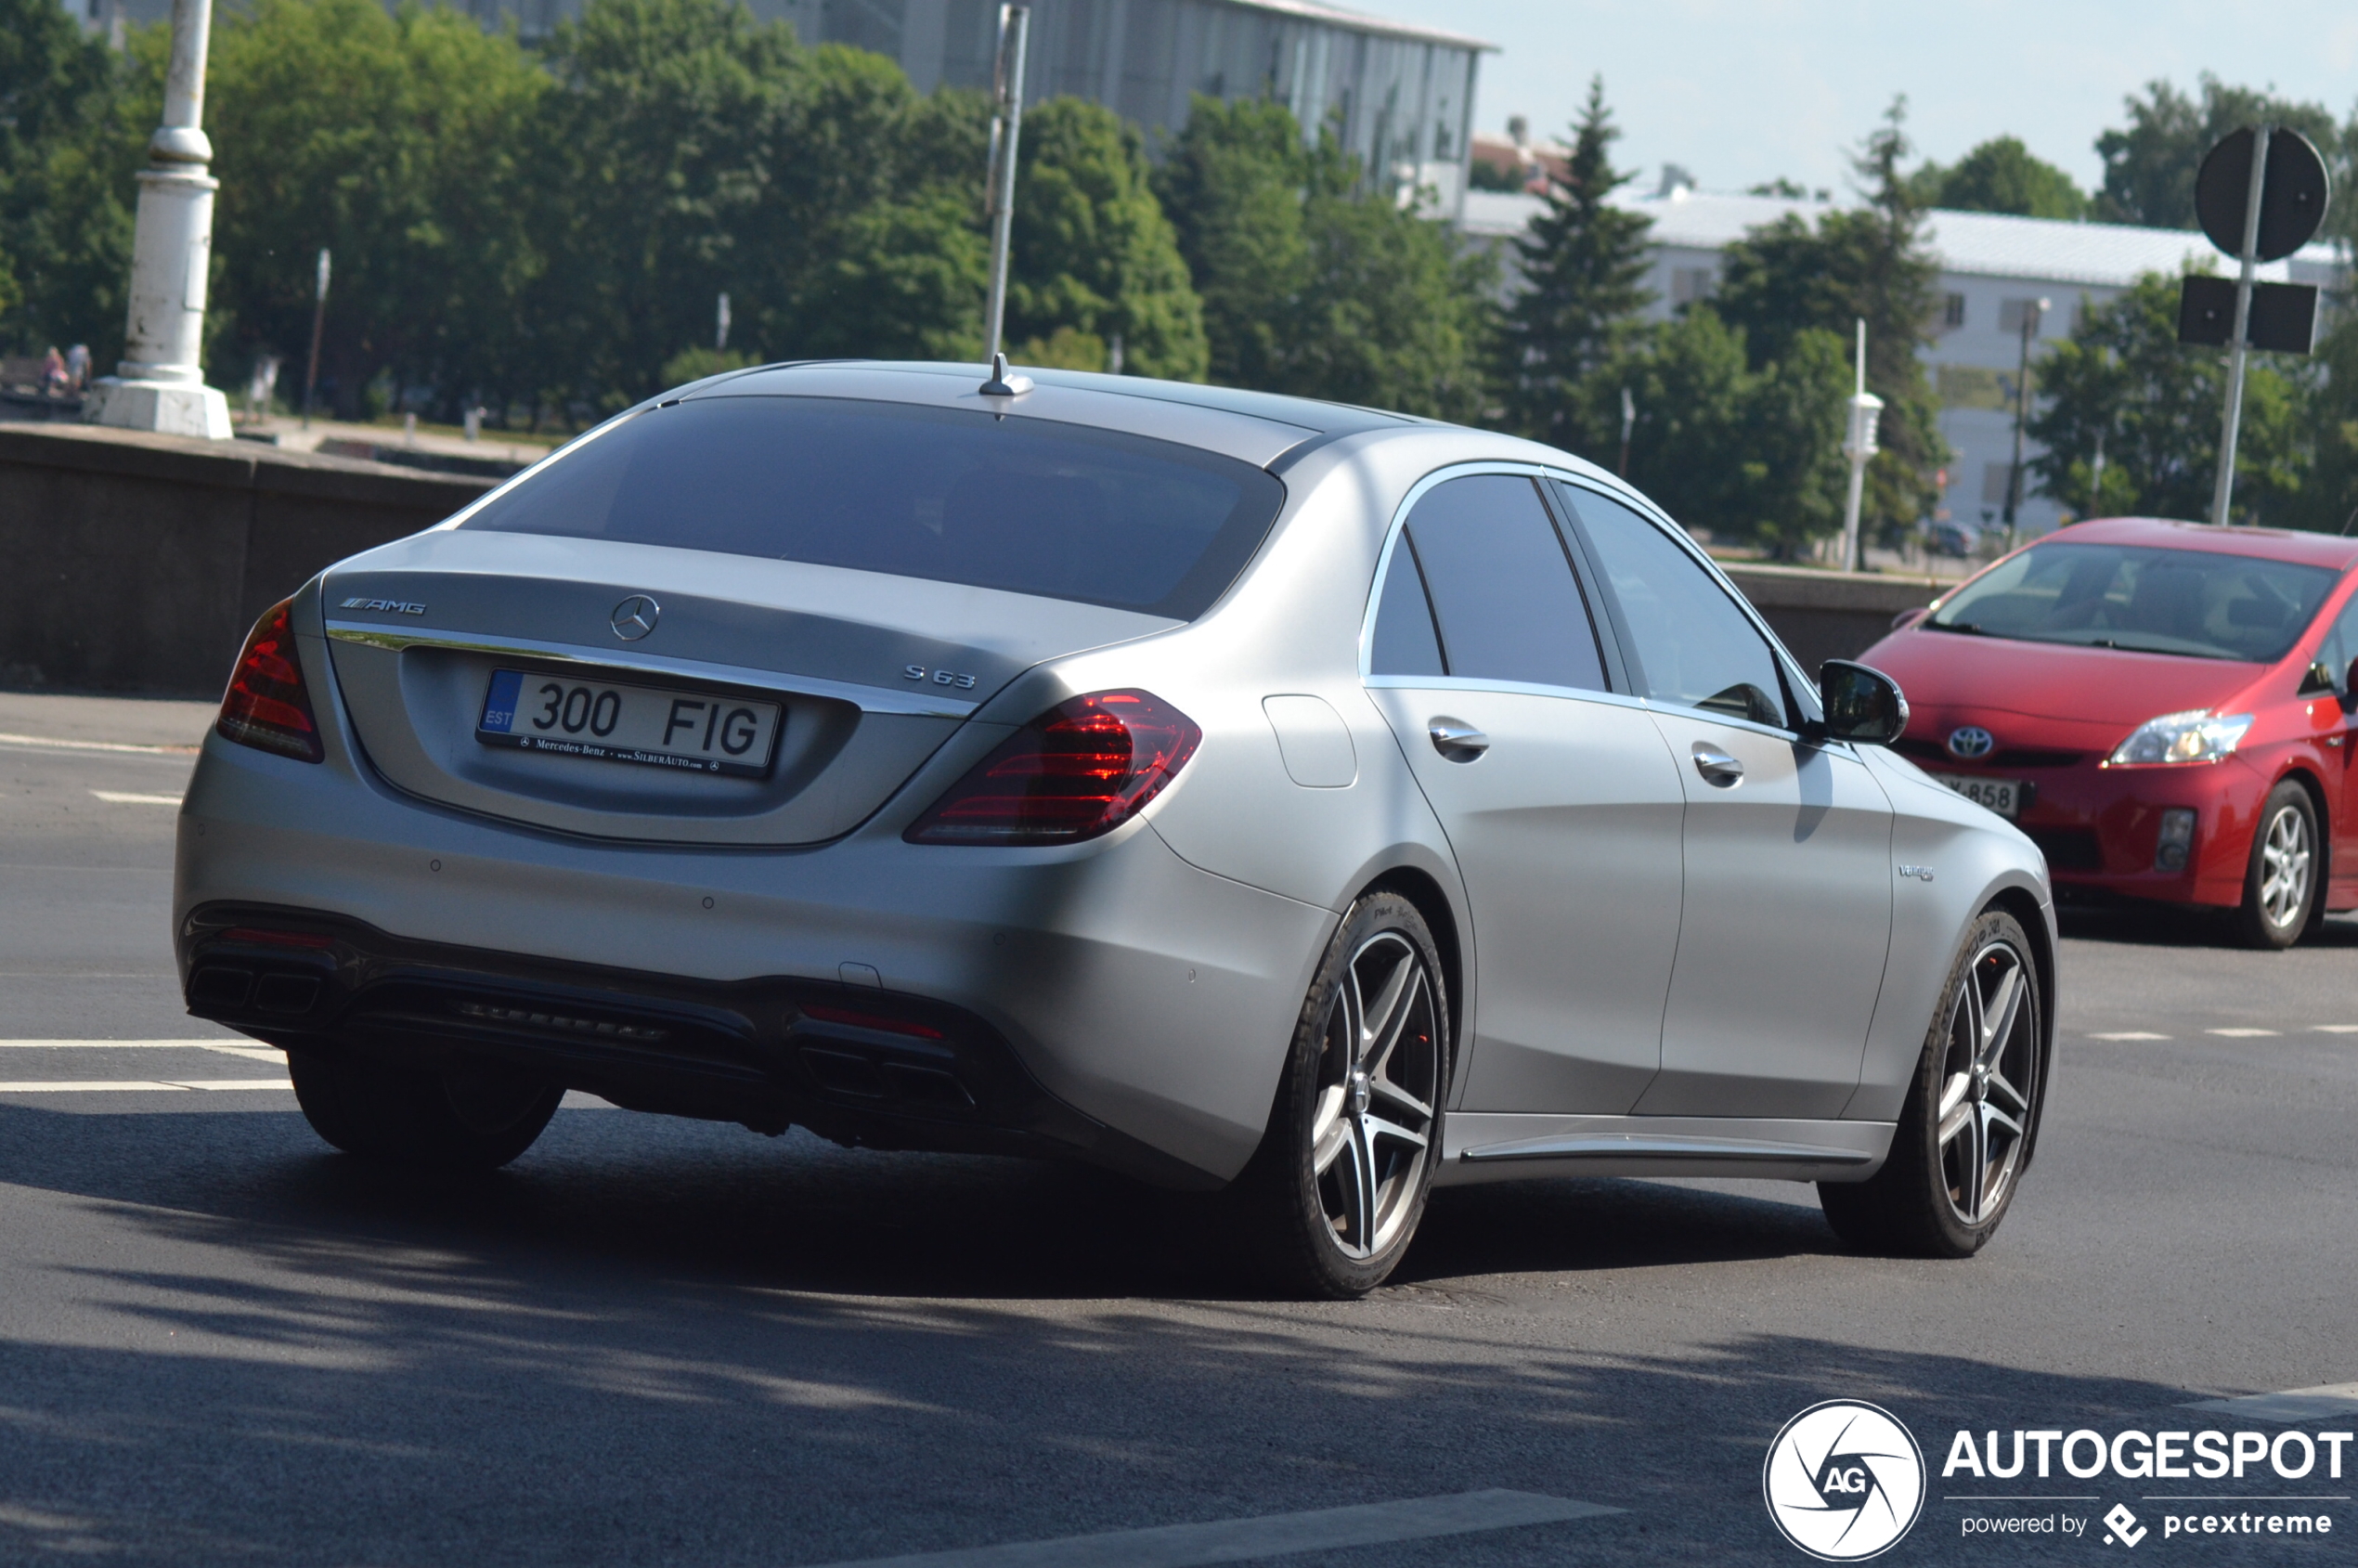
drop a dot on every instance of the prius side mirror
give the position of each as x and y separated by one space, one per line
1861 704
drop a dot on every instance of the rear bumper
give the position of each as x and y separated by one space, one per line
1107 999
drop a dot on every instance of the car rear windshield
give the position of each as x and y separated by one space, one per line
1022 504
2196 603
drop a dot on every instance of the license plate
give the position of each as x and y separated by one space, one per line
2001 795
692 731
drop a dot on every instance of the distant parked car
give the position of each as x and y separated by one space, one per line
1230 790
1959 539
2165 707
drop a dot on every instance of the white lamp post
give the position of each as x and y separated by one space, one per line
160 385
1859 444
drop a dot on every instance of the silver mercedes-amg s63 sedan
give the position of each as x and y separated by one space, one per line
1239 792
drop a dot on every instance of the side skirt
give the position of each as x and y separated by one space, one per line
1492 1145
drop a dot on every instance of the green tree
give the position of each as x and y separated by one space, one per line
1584 261
2150 163
2328 499
2123 376
74 122
399 141
1092 250
2000 175
1870 263
1234 186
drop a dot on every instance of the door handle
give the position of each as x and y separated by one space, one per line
1718 770
1457 740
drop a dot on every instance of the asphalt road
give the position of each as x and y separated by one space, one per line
656 1342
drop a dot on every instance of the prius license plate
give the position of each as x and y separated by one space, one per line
657 727
2001 795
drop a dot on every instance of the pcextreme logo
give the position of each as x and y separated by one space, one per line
1844 1481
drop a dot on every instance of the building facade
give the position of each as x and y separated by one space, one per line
1994 270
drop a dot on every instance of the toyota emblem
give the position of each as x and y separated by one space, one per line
1968 741
636 617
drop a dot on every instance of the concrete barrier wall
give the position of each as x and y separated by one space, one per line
133 563
136 562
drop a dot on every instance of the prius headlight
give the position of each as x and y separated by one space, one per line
2198 736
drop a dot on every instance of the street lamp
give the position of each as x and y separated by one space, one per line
1859 444
2032 310
160 385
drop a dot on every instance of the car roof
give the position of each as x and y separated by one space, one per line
1256 426
2329 551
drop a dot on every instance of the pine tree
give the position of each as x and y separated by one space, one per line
1584 264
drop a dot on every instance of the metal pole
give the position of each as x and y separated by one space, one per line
2223 488
1859 445
1628 423
160 384
318 319
1007 126
2032 311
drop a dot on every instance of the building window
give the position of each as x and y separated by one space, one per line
1953 312
1994 479
1689 284
2012 314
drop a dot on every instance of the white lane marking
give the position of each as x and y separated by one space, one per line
2323 1402
99 1086
217 1086
45 742
2242 1033
1244 1540
2130 1034
2338 1029
225 1047
128 797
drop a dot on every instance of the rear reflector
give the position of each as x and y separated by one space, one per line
858 1019
266 706
1082 769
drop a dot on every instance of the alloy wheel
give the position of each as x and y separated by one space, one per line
2284 866
1377 1078
1988 1082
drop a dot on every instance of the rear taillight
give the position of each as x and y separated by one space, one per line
1081 769
266 706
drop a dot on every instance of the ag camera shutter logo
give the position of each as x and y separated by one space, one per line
1844 1481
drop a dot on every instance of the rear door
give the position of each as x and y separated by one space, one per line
1787 854
1555 792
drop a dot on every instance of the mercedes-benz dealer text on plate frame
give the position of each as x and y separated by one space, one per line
1235 792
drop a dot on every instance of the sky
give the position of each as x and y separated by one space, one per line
1741 91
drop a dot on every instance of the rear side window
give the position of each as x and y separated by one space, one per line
1021 504
1692 645
1482 552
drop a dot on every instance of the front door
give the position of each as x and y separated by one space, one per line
1787 854
1559 798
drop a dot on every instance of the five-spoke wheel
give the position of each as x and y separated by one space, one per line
1339 1182
1972 1112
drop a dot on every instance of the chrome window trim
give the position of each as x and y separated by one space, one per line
869 699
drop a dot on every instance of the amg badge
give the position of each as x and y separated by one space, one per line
395 606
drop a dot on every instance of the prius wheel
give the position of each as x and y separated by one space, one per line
1339 1183
2280 886
471 1118
1965 1131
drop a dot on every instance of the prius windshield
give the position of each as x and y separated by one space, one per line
2199 604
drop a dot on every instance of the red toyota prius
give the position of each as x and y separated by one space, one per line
2165 708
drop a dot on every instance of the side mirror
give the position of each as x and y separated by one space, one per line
2349 687
1861 704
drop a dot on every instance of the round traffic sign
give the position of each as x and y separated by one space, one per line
2292 197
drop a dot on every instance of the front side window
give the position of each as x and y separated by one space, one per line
2331 666
1027 505
1690 642
1479 589
2200 603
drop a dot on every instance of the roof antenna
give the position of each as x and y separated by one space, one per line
1002 384
2351 524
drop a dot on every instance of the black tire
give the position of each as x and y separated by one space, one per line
472 1118
1944 1198
1332 1197
2284 849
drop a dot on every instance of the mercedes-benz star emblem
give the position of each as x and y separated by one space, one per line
636 617
1970 741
